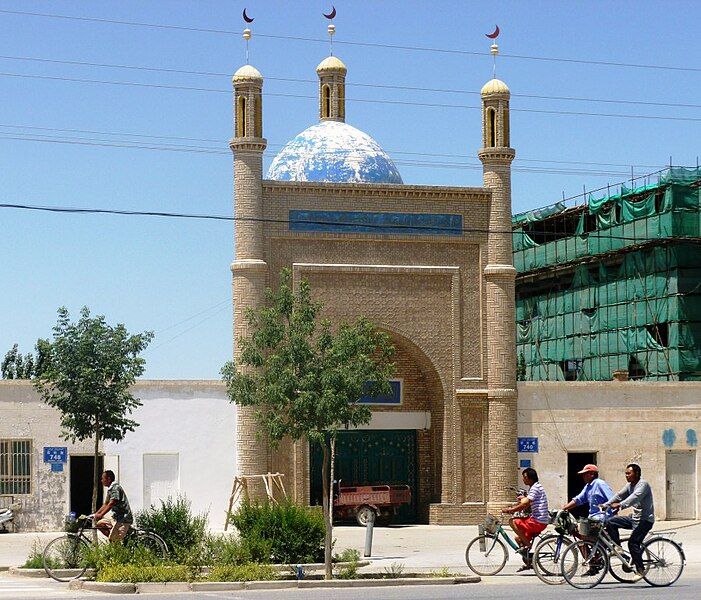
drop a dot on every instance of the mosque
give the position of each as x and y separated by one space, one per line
430 265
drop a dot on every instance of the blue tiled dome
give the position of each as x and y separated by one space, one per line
334 152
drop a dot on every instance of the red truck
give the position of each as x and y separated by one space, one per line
360 501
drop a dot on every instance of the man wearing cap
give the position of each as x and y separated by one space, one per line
596 491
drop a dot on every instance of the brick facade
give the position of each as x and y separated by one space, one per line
447 301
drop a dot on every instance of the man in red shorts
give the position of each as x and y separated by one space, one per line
527 528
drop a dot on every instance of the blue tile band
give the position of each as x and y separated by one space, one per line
322 221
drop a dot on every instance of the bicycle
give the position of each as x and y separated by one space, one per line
487 554
67 557
547 554
584 563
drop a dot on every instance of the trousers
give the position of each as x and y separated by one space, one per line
640 530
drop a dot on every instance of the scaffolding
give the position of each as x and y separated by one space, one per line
613 284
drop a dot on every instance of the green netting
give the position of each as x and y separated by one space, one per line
538 214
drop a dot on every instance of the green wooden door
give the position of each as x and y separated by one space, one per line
371 457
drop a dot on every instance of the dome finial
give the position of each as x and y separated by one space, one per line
494 49
331 28
247 32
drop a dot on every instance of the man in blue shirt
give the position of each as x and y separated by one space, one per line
596 491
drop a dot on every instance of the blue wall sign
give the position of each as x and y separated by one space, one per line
528 444
56 467
524 463
55 454
375 222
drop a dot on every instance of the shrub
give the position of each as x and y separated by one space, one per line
245 572
280 533
348 555
35 559
135 573
102 556
174 522
394 571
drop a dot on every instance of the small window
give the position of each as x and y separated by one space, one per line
258 117
325 101
571 369
491 127
507 133
635 368
15 467
659 333
241 117
342 100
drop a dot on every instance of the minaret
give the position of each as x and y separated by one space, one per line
332 86
500 275
249 268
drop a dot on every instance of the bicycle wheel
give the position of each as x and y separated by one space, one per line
546 559
620 570
664 561
486 555
584 564
66 557
152 542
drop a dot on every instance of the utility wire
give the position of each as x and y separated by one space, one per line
202 150
350 84
221 142
359 100
352 43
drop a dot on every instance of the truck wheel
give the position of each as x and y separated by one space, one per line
362 514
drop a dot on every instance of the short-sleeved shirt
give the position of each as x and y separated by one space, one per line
595 492
539 503
120 509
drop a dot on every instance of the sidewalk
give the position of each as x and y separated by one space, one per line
415 547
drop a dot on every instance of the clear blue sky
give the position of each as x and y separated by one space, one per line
172 276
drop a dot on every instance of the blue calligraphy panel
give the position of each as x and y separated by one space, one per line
323 221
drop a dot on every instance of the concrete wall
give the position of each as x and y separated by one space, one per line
24 416
194 420
622 422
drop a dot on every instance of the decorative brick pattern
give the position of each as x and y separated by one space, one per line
446 301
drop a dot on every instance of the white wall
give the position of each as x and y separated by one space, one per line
193 419
621 421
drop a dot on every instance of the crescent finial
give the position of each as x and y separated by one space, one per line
332 14
246 17
494 35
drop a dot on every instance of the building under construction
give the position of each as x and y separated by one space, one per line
612 287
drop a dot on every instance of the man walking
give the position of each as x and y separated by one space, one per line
638 494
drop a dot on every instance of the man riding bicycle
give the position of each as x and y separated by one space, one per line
116 526
595 491
638 494
529 527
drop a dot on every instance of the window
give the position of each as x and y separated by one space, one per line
571 369
507 141
659 332
341 100
241 117
258 132
15 467
491 128
325 102
635 368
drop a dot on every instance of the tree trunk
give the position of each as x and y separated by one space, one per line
328 574
329 523
96 471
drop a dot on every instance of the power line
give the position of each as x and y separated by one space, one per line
352 84
279 145
360 100
200 150
353 43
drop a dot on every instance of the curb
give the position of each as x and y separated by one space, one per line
222 586
21 572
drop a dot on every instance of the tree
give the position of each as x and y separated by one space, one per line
521 367
88 371
18 366
305 380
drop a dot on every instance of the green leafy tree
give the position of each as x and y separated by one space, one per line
15 365
88 370
305 379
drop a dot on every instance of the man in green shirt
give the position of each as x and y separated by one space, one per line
116 525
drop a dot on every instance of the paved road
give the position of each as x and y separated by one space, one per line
508 586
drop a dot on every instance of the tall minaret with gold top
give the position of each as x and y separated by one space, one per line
499 273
